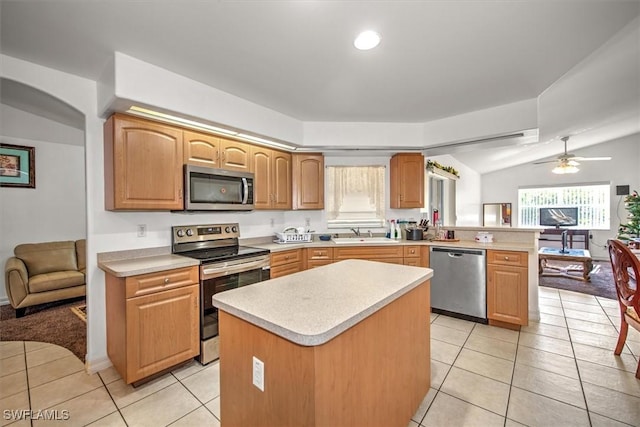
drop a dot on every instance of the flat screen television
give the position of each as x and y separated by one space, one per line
559 217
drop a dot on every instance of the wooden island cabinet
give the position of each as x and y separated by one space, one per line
152 321
351 348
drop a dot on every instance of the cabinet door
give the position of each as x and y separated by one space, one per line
143 165
283 270
162 331
286 257
235 155
507 294
407 181
201 149
374 253
424 256
281 182
262 198
308 181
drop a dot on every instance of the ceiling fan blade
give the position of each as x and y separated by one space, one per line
589 159
546 161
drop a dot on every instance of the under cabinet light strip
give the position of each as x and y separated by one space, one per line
143 112
168 117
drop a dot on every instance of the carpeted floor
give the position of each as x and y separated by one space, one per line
601 283
54 323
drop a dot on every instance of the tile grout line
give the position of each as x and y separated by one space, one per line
202 405
575 360
513 373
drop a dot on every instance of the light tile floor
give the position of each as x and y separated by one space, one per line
560 371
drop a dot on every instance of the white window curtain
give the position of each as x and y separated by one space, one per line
355 196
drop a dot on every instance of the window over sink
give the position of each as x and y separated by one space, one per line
355 196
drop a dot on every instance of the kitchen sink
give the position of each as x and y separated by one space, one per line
363 240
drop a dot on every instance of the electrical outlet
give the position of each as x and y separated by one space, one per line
258 373
142 230
307 222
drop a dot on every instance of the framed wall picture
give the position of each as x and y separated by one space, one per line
17 166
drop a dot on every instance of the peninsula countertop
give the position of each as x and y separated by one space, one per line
314 306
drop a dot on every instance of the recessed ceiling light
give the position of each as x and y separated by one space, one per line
367 40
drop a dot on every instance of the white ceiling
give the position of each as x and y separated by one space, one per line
436 58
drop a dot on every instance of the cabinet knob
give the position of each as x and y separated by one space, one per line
286 257
506 258
413 251
166 280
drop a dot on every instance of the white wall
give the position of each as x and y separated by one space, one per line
468 200
598 99
55 209
622 169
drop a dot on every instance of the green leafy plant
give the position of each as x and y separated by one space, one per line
431 164
631 229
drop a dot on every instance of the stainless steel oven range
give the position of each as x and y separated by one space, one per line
224 265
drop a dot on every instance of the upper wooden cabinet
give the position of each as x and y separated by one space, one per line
407 181
308 181
142 165
235 155
272 184
201 149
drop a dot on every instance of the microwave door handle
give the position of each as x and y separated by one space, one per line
245 192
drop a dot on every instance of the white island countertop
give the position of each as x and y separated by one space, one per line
313 306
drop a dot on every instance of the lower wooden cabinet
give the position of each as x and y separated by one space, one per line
152 321
507 287
317 257
286 262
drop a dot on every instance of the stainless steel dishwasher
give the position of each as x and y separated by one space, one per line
459 283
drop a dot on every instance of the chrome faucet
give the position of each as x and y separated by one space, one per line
356 231
370 233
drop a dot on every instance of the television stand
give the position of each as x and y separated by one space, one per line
576 239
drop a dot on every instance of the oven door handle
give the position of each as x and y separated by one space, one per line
211 272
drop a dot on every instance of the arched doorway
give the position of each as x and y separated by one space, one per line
55 210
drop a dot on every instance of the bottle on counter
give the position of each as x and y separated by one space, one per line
391 229
398 232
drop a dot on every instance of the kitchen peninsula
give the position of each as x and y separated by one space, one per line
342 344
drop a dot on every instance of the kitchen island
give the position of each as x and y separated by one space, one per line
342 344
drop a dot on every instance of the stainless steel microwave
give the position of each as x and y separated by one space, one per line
210 189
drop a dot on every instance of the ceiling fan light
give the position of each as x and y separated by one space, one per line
565 168
572 163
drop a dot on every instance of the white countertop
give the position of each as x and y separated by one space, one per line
470 244
146 264
313 306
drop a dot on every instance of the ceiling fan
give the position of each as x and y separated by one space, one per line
567 163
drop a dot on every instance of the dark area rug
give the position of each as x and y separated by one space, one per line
601 283
53 323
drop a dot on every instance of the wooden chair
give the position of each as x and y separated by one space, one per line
626 272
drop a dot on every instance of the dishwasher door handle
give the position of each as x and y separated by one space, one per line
455 255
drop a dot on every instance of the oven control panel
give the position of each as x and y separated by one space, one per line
203 233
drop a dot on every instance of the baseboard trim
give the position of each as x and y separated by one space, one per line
4 301
97 365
